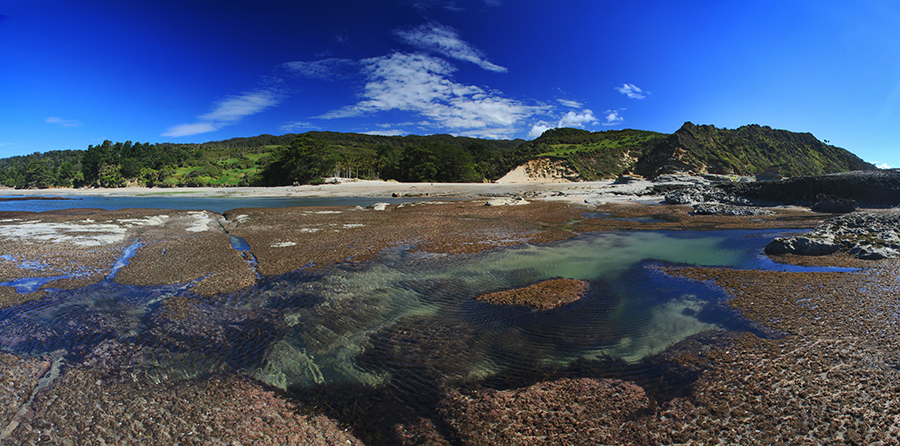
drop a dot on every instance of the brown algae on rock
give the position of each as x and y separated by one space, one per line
545 295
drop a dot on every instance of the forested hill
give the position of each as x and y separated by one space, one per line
269 160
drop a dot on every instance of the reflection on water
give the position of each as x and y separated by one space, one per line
406 319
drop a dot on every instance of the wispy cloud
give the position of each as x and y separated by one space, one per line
612 117
326 69
425 5
422 84
228 111
884 166
63 122
570 104
385 132
632 91
234 108
299 125
445 40
190 129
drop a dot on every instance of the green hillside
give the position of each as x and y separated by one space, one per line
747 150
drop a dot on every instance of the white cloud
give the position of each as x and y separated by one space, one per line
612 117
228 111
445 40
632 91
325 69
570 104
63 122
422 84
538 129
572 119
884 166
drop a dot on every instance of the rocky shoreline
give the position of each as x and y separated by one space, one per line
836 366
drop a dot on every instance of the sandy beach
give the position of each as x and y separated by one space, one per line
574 192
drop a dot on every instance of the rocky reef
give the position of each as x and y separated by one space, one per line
566 411
865 235
545 295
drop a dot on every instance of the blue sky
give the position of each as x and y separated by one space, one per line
74 73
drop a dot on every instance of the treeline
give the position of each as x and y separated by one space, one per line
266 160
437 158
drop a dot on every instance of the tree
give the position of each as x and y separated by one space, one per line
306 158
109 176
38 176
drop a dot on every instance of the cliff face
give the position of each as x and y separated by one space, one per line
747 150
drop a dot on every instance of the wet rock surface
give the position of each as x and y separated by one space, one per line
77 248
868 236
286 239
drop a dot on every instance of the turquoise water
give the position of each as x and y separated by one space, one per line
363 323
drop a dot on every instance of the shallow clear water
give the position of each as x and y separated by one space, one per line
406 319
171 200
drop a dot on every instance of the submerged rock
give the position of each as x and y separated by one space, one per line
864 235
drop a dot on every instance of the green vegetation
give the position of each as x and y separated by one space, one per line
595 155
268 160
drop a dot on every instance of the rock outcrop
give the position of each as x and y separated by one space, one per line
507 201
864 235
